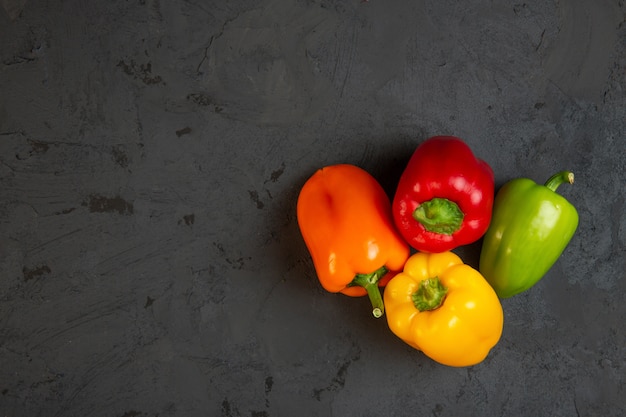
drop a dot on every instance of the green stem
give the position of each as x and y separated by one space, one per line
429 295
559 178
439 215
370 283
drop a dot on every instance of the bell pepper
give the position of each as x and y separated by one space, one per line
444 197
444 308
530 228
345 220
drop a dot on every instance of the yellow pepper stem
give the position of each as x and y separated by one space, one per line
370 283
429 295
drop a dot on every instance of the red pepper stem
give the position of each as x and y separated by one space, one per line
558 179
439 215
429 295
370 283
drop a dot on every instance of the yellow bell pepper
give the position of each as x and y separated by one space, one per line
444 308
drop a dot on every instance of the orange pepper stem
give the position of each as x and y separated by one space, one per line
370 283
429 295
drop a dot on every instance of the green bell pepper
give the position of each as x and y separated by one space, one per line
530 228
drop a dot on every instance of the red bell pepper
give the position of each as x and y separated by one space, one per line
445 195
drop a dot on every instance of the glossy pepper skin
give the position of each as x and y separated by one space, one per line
345 219
531 227
444 197
444 308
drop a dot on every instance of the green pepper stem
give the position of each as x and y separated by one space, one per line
439 215
558 179
429 295
370 283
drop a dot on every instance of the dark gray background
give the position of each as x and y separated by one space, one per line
151 154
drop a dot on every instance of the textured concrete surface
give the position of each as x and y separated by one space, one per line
151 153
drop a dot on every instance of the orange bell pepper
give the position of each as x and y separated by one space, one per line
345 219
444 308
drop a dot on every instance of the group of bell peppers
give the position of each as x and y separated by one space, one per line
360 241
